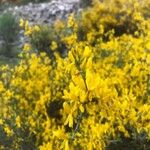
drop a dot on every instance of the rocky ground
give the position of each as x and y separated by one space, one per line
46 12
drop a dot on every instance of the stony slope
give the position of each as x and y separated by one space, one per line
46 12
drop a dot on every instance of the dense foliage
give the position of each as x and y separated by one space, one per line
9 33
95 94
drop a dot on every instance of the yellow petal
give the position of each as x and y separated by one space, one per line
66 145
81 108
66 107
70 121
87 52
92 79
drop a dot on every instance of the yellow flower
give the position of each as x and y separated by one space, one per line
26 25
71 21
1 87
81 108
69 121
21 24
101 29
66 145
1 122
36 28
28 31
53 45
83 96
8 131
47 146
59 133
87 52
66 107
18 122
26 47
92 79
148 45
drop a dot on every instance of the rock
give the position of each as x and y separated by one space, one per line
45 12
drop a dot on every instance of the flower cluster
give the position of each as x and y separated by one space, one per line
98 93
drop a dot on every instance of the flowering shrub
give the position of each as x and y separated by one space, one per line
98 93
